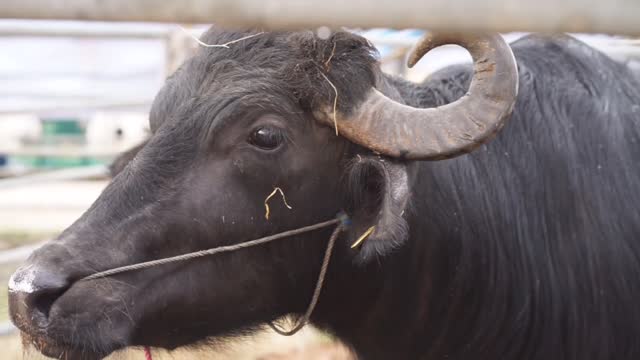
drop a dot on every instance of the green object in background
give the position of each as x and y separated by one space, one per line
56 162
62 126
65 131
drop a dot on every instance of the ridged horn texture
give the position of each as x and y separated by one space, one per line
397 130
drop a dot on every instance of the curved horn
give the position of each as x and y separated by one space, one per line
390 128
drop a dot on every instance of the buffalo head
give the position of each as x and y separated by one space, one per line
227 128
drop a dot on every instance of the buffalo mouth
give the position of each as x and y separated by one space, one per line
65 330
60 341
58 350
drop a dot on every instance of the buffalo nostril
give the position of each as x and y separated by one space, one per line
42 300
38 288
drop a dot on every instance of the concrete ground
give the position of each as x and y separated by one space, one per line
306 345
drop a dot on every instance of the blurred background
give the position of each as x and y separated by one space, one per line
73 95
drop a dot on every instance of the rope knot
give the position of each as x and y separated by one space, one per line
345 220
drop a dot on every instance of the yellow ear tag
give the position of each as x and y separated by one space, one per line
363 237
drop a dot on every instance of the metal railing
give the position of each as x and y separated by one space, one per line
55 175
84 30
593 16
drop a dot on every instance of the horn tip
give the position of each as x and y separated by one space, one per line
412 60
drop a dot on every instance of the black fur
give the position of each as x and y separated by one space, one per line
528 248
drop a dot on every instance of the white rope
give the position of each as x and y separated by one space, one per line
213 251
342 221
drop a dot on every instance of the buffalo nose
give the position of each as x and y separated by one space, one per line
35 289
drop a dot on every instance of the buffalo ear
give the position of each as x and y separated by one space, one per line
120 162
378 190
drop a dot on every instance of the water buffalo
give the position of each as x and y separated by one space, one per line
523 247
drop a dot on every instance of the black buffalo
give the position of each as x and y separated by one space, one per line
526 248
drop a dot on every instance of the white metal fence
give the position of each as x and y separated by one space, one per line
595 16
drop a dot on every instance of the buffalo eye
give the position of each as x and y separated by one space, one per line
267 138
